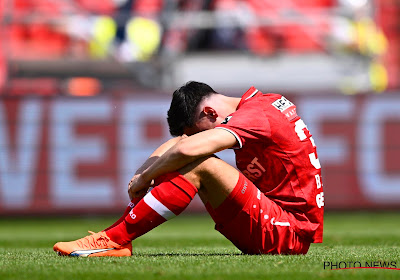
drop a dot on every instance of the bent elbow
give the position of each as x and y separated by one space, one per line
182 150
185 150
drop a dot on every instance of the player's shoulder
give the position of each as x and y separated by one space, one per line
254 95
265 102
256 102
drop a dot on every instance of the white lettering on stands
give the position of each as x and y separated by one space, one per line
135 148
67 150
315 111
17 171
27 158
377 186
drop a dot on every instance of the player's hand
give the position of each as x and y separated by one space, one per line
137 186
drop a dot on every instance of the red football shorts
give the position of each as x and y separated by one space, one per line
255 224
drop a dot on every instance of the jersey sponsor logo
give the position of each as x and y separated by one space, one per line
282 104
226 120
254 170
286 107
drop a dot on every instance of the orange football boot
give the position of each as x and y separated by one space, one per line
95 245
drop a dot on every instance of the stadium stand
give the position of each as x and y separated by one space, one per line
145 31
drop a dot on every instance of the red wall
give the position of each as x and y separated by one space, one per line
77 155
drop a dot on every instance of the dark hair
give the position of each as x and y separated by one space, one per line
184 102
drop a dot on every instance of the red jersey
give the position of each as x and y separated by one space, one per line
277 153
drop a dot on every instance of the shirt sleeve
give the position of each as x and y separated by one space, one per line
246 124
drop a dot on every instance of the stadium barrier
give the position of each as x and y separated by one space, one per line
71 155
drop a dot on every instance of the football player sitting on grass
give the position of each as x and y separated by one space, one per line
273 205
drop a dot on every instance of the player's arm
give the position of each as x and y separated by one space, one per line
152 158
182 153
159 152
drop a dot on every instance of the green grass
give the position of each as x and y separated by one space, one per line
188 248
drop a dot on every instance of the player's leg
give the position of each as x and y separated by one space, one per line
128 209
172 194
214 178
167 199
253 222
153 157
225 183
250 220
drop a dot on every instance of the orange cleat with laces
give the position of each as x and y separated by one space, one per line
94 245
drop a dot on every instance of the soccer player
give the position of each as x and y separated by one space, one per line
273 205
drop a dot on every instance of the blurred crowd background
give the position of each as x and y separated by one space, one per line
80 47
85 86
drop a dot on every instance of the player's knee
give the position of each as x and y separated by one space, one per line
209 165
201 166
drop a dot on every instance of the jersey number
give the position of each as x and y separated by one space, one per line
300 128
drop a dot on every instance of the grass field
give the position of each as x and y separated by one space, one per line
188 248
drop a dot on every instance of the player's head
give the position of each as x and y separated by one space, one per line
184 114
